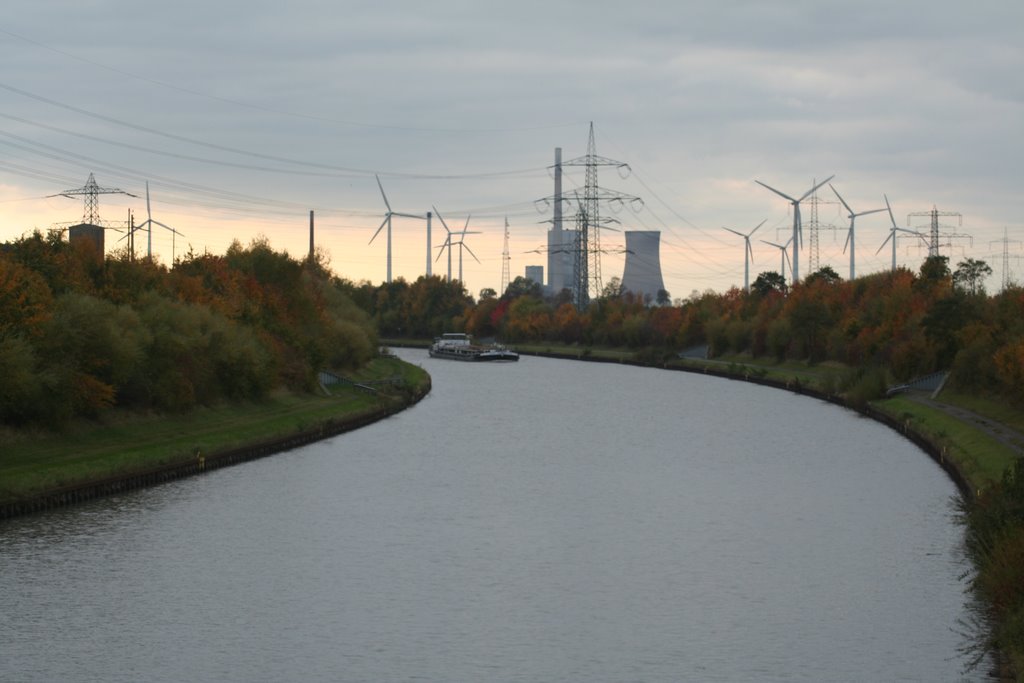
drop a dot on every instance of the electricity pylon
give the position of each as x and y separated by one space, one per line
91 192
586 275
934 234
505 260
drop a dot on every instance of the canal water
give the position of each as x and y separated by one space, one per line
538 521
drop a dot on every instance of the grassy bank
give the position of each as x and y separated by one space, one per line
122 444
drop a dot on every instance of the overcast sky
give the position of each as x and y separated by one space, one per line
244 116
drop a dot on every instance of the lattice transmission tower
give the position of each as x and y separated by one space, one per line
586 277
1007 242
91 192
936 238
815 227
505 261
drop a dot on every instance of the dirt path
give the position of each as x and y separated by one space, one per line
1000 432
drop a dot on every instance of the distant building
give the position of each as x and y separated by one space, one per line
642 274
89 234
535 273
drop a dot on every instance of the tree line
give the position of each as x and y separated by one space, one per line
80 333
904 322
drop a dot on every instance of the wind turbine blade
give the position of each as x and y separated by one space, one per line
814 189
748 235
887 206
409 215
847 243
892 235
383 223
441 218
733 231
466 226
470 252
165 227
841 198
750 251
788 243
781 194
786 255
382 194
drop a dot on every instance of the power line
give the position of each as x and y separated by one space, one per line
282 112
259 155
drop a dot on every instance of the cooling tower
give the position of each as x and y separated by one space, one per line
642 274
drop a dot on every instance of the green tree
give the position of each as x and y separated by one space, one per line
935 274
970 276
522 286
824 274
768 282
613 289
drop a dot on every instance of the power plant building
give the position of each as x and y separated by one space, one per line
89 234
642 274
535 273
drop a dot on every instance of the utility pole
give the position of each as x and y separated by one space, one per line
311 236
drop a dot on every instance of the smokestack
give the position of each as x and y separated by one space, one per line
311 235
557 258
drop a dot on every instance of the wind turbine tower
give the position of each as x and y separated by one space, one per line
150 222
850 237
387 222
784 258
748 253
797 226
447 243
892 233
505 262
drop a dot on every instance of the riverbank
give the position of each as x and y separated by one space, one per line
39 470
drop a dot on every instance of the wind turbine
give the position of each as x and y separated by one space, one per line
748 253
850 236
785 255
798 235
892 234
149 222
447 243
387 222
462 243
